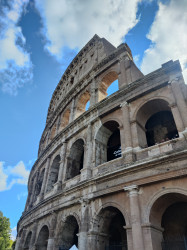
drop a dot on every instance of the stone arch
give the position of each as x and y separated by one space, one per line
81 103
107 142
53 175
167 214
143 102
53 131
75 160
108 226
27 241
105 82
155 122
159 194
64 119
39 182
68 229
116 119
42 239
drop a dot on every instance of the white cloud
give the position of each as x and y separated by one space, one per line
3 178
13 233
13 175
168 36
72 23
15 64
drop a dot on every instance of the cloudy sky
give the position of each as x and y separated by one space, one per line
38 40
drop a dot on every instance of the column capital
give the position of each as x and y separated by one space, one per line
132 189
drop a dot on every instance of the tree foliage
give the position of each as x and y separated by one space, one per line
5 231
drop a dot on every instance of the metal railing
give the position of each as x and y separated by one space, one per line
116 247
174 245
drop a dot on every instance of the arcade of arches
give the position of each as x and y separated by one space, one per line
168 228
111 176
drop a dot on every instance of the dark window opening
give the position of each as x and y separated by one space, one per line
68 234
174 222
53 177
75 159
112 226
114 146
160 127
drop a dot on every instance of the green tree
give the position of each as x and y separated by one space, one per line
5 231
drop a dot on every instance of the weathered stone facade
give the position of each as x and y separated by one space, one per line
115 174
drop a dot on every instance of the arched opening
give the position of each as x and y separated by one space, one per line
174 223
110 228
42 240
108 85
76 159
81 104
39 182
53 175
108 142
155 123
168 216
67 235
28 241
87 105
160 127
53 132
64 119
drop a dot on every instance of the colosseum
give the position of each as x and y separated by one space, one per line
111 176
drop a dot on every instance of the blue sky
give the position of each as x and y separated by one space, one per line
38 40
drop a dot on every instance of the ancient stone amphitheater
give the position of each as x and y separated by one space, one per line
111 176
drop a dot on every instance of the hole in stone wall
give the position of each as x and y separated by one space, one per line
81 104
87 105
155 123
111 231
75 159
64 119
108 142
39 183
43 238
67 237
110 79
112 88
160 127
53 176
174 222
27 242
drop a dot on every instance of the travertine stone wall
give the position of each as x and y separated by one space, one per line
76 195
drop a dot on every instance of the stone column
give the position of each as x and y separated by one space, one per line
83 235
92 240
50 243
137 235
18 243
179 98
177 117
21 241
86 171
72 111
93 93
122 78
126 125
134 132
62 163
82 240
126 146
